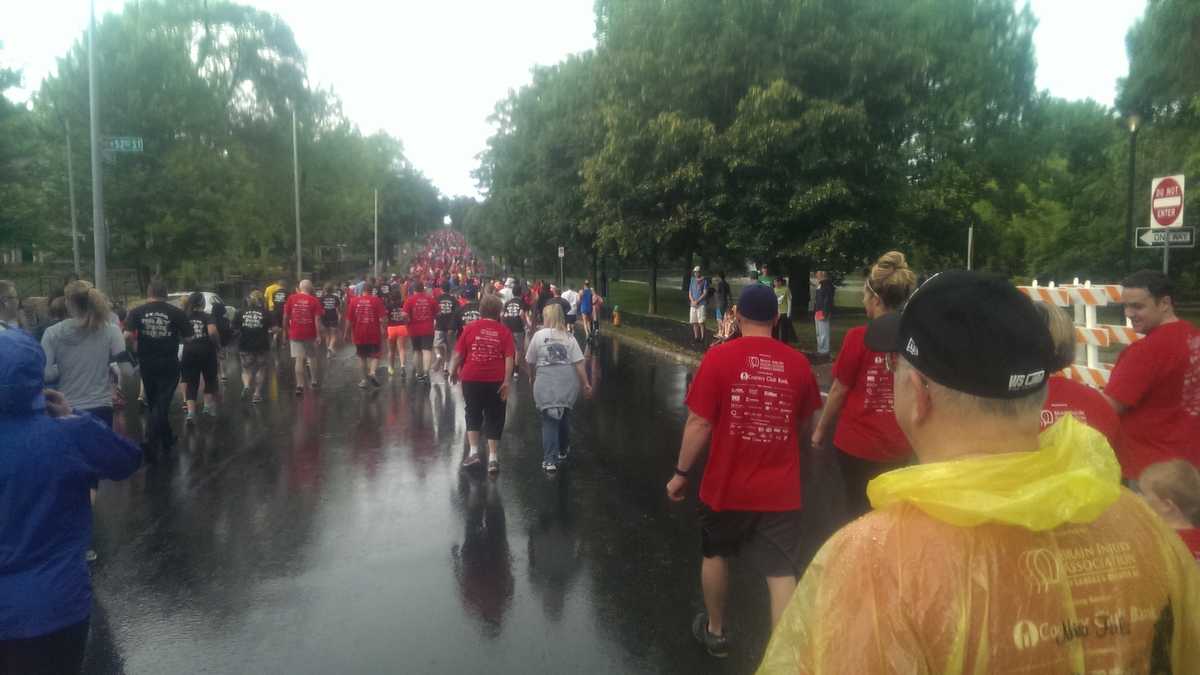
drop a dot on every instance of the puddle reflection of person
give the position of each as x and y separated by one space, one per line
554 552
483 562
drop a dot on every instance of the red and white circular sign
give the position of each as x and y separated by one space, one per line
1166 203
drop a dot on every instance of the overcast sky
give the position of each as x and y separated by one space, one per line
431 71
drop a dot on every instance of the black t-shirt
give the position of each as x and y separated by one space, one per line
253 324
330 303
395 312
447 312
159 327
199 341
385 290
511 316
470 314
279 298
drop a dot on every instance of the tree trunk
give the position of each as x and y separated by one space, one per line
603 281
797 273
652 308
595 264
687 272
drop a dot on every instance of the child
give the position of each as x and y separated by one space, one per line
1172 489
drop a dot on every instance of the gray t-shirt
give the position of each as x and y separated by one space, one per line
555 354
77 362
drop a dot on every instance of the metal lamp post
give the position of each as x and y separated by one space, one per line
1132 122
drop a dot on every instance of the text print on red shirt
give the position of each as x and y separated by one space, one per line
762 403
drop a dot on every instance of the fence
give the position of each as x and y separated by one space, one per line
1090 335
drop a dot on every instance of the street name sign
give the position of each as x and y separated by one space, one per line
125 144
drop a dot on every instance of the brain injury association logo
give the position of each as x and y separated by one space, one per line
1025 635
1042 568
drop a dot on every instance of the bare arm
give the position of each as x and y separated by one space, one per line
829 412
696 433
584 385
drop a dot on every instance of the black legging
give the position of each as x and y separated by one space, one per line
485 408
199 360
57 653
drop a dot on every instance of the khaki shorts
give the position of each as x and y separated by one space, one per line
253 360
440 339
696 314
306 349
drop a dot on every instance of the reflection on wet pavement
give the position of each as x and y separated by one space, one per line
335 533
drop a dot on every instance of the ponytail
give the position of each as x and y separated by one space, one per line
86 303
891 280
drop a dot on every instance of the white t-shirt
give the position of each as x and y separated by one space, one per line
573 298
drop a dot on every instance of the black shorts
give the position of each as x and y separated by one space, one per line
770 539
329 321
422 342
571 319
367 351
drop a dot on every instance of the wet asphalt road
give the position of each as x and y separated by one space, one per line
336 534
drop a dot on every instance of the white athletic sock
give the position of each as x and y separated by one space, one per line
475 452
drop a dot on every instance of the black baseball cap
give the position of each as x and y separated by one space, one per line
970 332
758 303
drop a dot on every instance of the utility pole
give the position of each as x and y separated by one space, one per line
376 233
296 181
99 233
71 196
1132 123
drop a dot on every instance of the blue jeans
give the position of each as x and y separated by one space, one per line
823 336
555 436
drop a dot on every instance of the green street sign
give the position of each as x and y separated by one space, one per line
125 144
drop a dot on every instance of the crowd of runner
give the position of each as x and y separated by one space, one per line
985 528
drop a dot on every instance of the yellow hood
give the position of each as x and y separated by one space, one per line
1073 477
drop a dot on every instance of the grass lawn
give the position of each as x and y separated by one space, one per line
672 303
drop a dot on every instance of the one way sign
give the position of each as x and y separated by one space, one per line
1156 237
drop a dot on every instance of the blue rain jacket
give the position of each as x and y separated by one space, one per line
46 468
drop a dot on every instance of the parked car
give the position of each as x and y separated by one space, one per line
210 299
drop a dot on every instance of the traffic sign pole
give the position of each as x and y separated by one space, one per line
99 236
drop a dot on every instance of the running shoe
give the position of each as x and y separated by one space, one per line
563 453
375 381
210 411
257 398
392 371
143 403
493 466
316 385
245 393
472 460
362 384
715 645
550 467
191 418
90 556
299 390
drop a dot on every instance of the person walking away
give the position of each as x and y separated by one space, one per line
277 295
981 558
57 311
1172 489
78 352
585 308
483 361
254 341
444 326
1069 397
422 311
331 319
557 377
366 327
784 331
697 295
867 441
1155 385
200 358
397 331
51 456
572 317
158 327
752 401
823 312
225 337
722 296
300 314
516 320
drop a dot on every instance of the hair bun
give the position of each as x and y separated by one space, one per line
892 260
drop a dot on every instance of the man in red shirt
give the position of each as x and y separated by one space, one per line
366 326
752 400
1172 489
422 310
300 316
1155 386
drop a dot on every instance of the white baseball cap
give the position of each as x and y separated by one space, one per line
696 268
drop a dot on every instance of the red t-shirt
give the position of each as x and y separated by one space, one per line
483 346
1158 378
756 391
421 309
1068 397
1192 539
365 312
867 426
302 310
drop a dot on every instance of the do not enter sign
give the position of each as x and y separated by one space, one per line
1166 202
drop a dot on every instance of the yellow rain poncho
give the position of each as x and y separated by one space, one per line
1032 563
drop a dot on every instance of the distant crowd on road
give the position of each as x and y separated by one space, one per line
985 524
